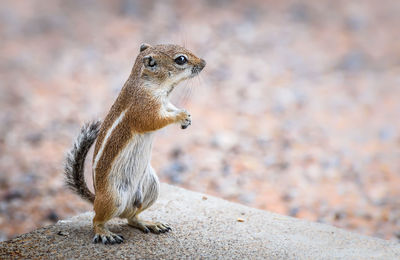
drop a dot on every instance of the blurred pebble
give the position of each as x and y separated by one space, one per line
3 237
397 234
52 216
3 183
386 134
353 61
269 160
13 195
293 212
287 197
34 138
339 215
247 198
331 162
263 142
355 23
224 140
226 169
176 152
174 171
300 12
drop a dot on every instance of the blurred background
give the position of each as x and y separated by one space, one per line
297 111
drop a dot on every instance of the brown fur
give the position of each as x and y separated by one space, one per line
143 109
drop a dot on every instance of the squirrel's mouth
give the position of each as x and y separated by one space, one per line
195 72
198 68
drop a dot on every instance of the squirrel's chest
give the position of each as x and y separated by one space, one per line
135 156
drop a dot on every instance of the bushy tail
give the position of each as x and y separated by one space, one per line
75 161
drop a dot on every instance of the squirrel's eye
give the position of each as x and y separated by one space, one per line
180 60
152 63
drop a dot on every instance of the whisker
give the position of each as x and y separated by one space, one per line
200 80
179 93
187 92
183 35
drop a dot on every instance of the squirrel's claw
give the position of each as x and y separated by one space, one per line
184 118
147 226
186 122
108 239
185 126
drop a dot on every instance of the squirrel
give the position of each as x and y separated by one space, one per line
125 183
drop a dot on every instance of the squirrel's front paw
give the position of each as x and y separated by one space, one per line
185 119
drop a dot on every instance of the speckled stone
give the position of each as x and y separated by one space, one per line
202 228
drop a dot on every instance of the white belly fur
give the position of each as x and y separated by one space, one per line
132 178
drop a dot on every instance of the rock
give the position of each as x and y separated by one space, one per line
206 229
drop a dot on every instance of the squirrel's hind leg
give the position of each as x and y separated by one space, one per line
104 211
151 187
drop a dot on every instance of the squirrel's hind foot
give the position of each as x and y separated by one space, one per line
109 238
148 226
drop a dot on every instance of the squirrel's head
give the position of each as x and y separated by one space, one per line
166 65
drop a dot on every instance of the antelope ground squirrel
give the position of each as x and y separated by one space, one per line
125 183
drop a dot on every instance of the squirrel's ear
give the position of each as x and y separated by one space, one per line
149 61
144 46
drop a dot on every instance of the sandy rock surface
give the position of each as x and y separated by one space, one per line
203 229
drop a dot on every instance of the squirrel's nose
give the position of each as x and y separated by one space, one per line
202 63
